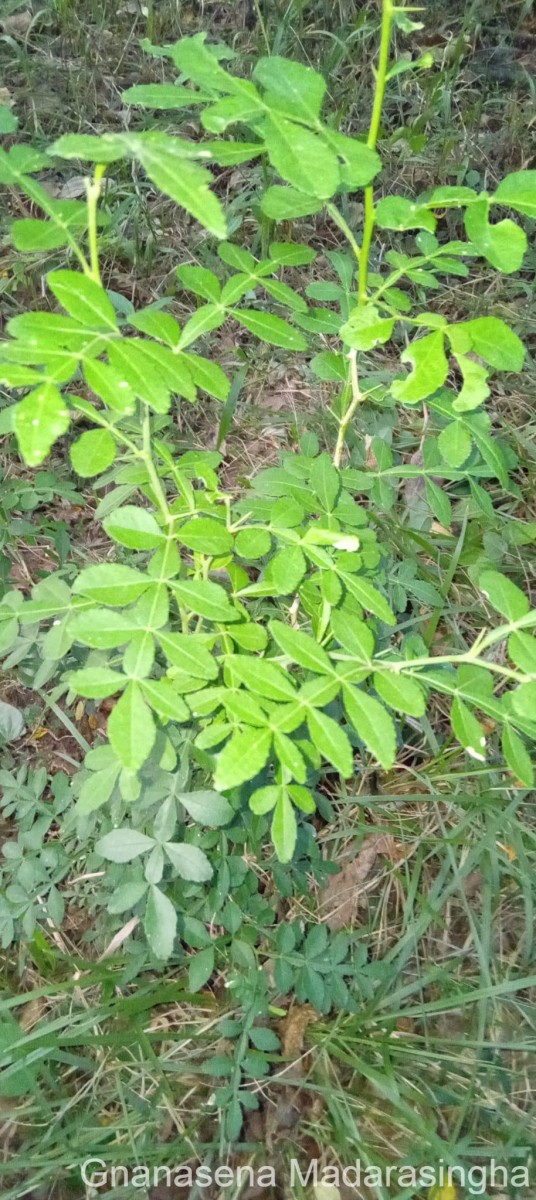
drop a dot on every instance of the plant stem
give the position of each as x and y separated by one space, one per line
262 26
362 253
152 472
93 192
374 129
344 227
357 399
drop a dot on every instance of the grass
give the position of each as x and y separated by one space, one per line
437 1060
436 1064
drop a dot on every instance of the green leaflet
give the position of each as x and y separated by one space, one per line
400 692
291 254
106 149
97 789
517 756
134 527
270 328
264 799
244 755
123 845
157 324
208 376
518 191
372 723
190 862
365 328
199 62
171 368
204 283
524 700
287 203
503 245
185 182
161 695
93 452
503 595
83 299
290 756
8 120
103 629
187 651
47 330
331 741
206 535
395 212
253 543
301 157
455 444
40 419
293 89
430 369
49 597
468 730
284 828
325 482
369 597
131 728
162 95
301 648
205 598
160 923
111 386
229 111
111 583
95 683
522 651
475 386
490 338
316 692
260 676
284 571
200 968
136 370
206 807
205 319
358 164
354 636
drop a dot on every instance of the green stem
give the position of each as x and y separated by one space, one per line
344 422
473 655
374 129
344 227
93 192
362 253
262 26
152 472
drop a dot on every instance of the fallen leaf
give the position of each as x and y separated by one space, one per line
31 1013
509 851
292 1029
371 462
341 896
18 24
472 884
73 188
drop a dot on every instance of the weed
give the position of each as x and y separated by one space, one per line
256 650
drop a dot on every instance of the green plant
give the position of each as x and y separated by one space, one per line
32 867
253 638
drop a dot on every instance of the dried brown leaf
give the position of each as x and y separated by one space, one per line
341 897
18 24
